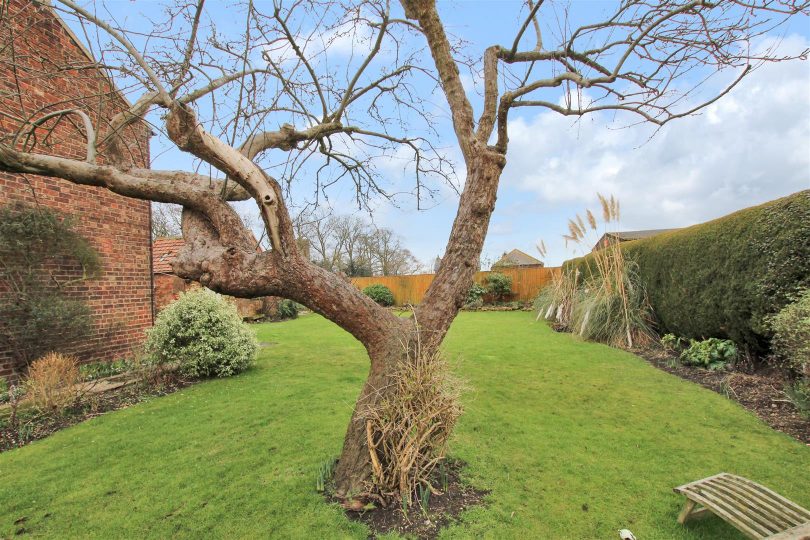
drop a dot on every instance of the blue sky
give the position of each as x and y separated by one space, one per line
750 147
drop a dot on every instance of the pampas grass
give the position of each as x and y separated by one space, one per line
608 305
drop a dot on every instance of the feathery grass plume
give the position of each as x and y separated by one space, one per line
606 216
591 219
541 248
581 225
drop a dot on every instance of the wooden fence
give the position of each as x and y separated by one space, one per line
526 282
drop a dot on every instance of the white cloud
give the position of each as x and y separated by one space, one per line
751 146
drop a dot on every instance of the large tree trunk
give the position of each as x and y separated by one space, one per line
354 470
431 320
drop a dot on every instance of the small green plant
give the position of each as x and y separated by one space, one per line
799 394
499 286
3 390
475 296
424 497
380 294
99 370
287 309
324 474
791 333
672 343
203 335
712 353
444 477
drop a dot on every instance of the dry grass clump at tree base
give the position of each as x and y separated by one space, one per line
608 304
408 430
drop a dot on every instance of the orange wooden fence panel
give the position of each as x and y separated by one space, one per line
526 283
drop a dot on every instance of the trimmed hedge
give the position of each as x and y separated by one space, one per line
723 278
380 294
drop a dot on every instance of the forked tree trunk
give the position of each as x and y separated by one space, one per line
440 306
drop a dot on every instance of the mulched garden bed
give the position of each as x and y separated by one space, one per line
760 392
32 426
442 510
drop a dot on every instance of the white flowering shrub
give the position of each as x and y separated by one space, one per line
203 333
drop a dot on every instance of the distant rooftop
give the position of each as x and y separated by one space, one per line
625 236
637 235
517 258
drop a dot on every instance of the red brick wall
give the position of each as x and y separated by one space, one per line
34 81
168 287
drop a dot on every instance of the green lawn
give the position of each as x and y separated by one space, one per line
575 440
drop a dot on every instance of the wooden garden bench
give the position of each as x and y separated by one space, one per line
753 509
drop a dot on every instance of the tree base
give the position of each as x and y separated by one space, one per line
442 509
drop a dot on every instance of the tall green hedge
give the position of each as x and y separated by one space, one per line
724 277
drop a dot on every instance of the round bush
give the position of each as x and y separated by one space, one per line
203 333
791 333
287 309
499 285
380 294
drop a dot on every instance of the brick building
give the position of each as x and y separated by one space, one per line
44 68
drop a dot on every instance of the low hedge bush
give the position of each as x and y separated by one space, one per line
791 334
380 294
724 278
202 333
287 309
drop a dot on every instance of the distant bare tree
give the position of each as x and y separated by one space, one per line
387 256
166 220
278 98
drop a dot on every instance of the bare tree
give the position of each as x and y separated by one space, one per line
268 101
387 256
352 245
166 220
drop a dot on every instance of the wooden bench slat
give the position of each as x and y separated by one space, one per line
802 512
734 517
801 532
776 507
747 509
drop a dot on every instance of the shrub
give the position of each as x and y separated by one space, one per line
287 309
499 286
799 394
203 335
36 315
380 294
791 333
723 278
671 342
475 296
712 353
3 390
52 383
409 427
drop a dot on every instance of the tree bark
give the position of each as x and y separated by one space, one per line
354 471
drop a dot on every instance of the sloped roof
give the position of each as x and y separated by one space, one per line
517 258
164 250
637 235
